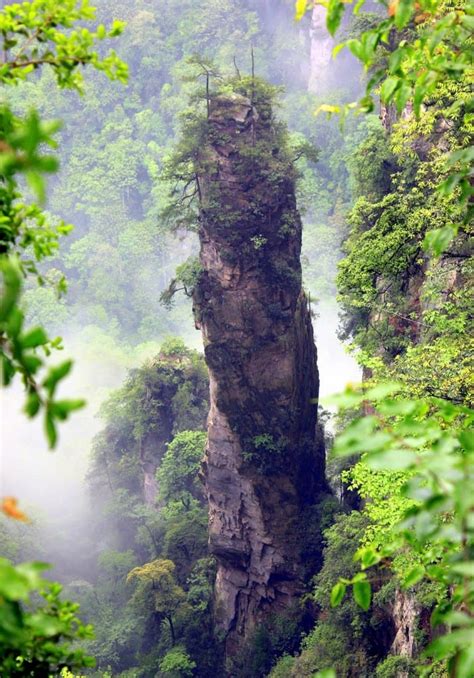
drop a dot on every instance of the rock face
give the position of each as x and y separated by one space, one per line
173 394
264 463
406 616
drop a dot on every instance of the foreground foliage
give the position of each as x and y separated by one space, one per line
34 35
38 630
429 533
406 287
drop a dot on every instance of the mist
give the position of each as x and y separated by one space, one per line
112 320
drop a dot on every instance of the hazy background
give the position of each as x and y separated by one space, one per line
120 256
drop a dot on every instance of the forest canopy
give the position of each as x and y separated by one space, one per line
290 167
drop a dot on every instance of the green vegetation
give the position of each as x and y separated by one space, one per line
38 641
405 286
386 207
36 34
177 475
150 599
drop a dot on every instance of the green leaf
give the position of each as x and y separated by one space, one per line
355 436
466 438
300 9
61 409
337 49
347 399
403 12
37 184
465 663
334 15
395 60
397 459
8 371
13 585
391 407
413 576
15 322
325 673
456 618
466 569
31 363
33 338
45 625
465 155
388 88
11 288
55 375
382 390
50 430
362 593
449 184
367 556
337 594
32 404
359 576
446 645
356 47
117 29
327 108
437 240
402 95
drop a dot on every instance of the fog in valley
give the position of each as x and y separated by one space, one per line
121 256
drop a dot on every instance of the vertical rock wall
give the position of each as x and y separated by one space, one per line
321 47
264 463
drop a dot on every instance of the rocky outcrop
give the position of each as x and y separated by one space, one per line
173 394
264 463
321 47
405 614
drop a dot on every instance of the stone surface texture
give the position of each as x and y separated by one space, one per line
264 462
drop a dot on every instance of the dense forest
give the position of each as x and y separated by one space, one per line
236 339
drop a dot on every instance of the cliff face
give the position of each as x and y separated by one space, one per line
264 463
321 47
173 394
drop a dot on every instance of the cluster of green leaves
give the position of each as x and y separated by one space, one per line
153 594
192 161
430 441
416 467
177 475
177 664
409 54
344 637
35 34
394 221
157 578
186 279
38 630
27 238
39 32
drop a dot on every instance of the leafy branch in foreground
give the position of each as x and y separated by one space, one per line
32 35
37 639
430 441
19 355
26 238
411 51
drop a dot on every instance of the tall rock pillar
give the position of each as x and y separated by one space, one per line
264 461
321 47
